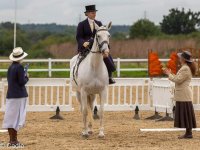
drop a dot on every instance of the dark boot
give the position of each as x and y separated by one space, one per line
187 135
11 135
12 141
110 67
13 138
111 80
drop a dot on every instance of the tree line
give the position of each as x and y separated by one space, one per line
36 38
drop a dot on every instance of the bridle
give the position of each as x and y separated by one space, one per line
100 45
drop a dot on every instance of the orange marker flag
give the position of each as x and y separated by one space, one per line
172 63
155 67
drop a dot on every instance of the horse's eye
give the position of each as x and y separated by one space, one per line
98 36
109 36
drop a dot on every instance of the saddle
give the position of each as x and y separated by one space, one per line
81 56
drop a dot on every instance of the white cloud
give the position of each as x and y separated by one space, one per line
68 11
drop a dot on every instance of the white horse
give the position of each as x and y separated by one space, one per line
92 78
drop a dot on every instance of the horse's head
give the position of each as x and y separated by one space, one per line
102 37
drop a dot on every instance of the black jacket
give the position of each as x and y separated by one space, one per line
84 33
16 81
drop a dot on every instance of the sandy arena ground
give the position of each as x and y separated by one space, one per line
122 132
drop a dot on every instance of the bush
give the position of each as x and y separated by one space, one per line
144 28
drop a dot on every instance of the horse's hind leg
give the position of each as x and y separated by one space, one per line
91 99
84 112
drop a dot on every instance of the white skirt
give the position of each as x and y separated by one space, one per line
15 113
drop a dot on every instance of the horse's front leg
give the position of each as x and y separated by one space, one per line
90 112
84 112
78 97
103 96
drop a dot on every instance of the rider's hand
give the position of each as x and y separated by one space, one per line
86 44
105 54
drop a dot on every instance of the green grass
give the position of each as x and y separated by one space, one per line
66 74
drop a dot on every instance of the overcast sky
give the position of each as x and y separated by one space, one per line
120 12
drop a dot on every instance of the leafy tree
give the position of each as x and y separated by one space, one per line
143 28
180 22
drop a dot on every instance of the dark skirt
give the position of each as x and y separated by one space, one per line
184 115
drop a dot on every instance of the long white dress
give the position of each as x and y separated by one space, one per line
15 113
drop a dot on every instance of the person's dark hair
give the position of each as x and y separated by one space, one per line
192 66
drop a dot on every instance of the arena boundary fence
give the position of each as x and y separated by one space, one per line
163 92
45 94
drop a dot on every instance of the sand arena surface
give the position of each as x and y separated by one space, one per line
121 132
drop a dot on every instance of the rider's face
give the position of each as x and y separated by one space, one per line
91 15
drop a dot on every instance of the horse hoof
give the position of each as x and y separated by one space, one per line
101 136
85 135
90 132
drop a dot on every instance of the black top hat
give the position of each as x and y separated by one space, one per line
185 55
90 8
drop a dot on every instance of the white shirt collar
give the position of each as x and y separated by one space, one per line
90 21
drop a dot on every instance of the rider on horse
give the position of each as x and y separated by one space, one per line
85 38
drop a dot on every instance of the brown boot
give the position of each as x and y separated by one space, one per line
13 138
11 134
187 135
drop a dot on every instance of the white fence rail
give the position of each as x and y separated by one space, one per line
128 93
45 94
50 69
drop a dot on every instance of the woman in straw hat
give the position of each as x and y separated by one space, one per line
16 98
184 113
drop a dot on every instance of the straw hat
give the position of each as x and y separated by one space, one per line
17 54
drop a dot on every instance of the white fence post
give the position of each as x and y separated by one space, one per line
125 95
50 66
118 67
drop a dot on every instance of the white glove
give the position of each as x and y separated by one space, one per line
86 44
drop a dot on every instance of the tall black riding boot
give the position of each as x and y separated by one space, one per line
110 67
111 80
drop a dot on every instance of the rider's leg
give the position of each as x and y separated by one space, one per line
110 67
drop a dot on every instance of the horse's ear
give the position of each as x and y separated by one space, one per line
109 26
96 26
